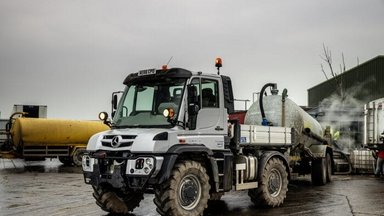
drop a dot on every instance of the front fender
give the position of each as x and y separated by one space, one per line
173 154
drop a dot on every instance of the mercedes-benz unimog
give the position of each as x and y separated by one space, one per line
171 135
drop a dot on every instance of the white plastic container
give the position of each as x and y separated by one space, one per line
362 161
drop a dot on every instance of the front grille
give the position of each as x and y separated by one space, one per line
110 137
117 141
126 144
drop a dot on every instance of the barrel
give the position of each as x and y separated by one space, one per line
38 131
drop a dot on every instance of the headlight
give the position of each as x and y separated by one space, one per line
140 166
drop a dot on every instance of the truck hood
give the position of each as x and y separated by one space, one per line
134 140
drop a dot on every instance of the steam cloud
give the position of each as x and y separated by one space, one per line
344 113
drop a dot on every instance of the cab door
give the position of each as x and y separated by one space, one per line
210 117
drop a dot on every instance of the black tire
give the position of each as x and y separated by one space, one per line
77 157
273 185
116 202
66 160
329 167
319 172
186 192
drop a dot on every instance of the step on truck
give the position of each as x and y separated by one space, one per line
171 135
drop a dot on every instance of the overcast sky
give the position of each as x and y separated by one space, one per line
71 54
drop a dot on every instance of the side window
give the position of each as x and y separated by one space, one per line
196 83
209 93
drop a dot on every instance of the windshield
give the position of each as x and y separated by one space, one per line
143 103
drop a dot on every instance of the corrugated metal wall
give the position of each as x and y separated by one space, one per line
365 81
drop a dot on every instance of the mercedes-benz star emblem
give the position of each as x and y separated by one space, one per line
115 142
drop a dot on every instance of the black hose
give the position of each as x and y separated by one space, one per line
264 120
8 126
308 132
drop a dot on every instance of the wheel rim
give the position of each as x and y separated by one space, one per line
275 183
189 192
77 158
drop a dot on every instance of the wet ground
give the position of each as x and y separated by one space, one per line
49 188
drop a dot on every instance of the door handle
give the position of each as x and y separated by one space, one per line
218 128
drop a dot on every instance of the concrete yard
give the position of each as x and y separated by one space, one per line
49 188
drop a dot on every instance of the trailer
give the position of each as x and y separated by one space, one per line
40 138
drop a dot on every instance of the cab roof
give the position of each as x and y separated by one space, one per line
157 74
153 74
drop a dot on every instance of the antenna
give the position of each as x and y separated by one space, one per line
165 67
169 60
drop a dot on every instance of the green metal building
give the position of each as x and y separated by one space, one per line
360 85
366 81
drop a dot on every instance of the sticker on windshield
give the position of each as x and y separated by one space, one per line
147 72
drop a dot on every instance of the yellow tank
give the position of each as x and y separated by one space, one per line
35 131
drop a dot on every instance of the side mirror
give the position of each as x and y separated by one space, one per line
115 99
114 102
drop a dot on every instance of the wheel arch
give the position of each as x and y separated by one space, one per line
266 156
197 152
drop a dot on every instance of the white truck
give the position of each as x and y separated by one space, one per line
171 134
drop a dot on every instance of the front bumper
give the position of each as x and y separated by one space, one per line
133 171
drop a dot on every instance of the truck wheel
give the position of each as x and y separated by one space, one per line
67 161
273 185
329 168
319 172
116 202
77 157
186 192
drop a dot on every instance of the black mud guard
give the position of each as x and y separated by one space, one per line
268 155
173 153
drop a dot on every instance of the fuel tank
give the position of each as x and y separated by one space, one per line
38 131
287 114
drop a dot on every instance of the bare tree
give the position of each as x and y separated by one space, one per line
327 58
